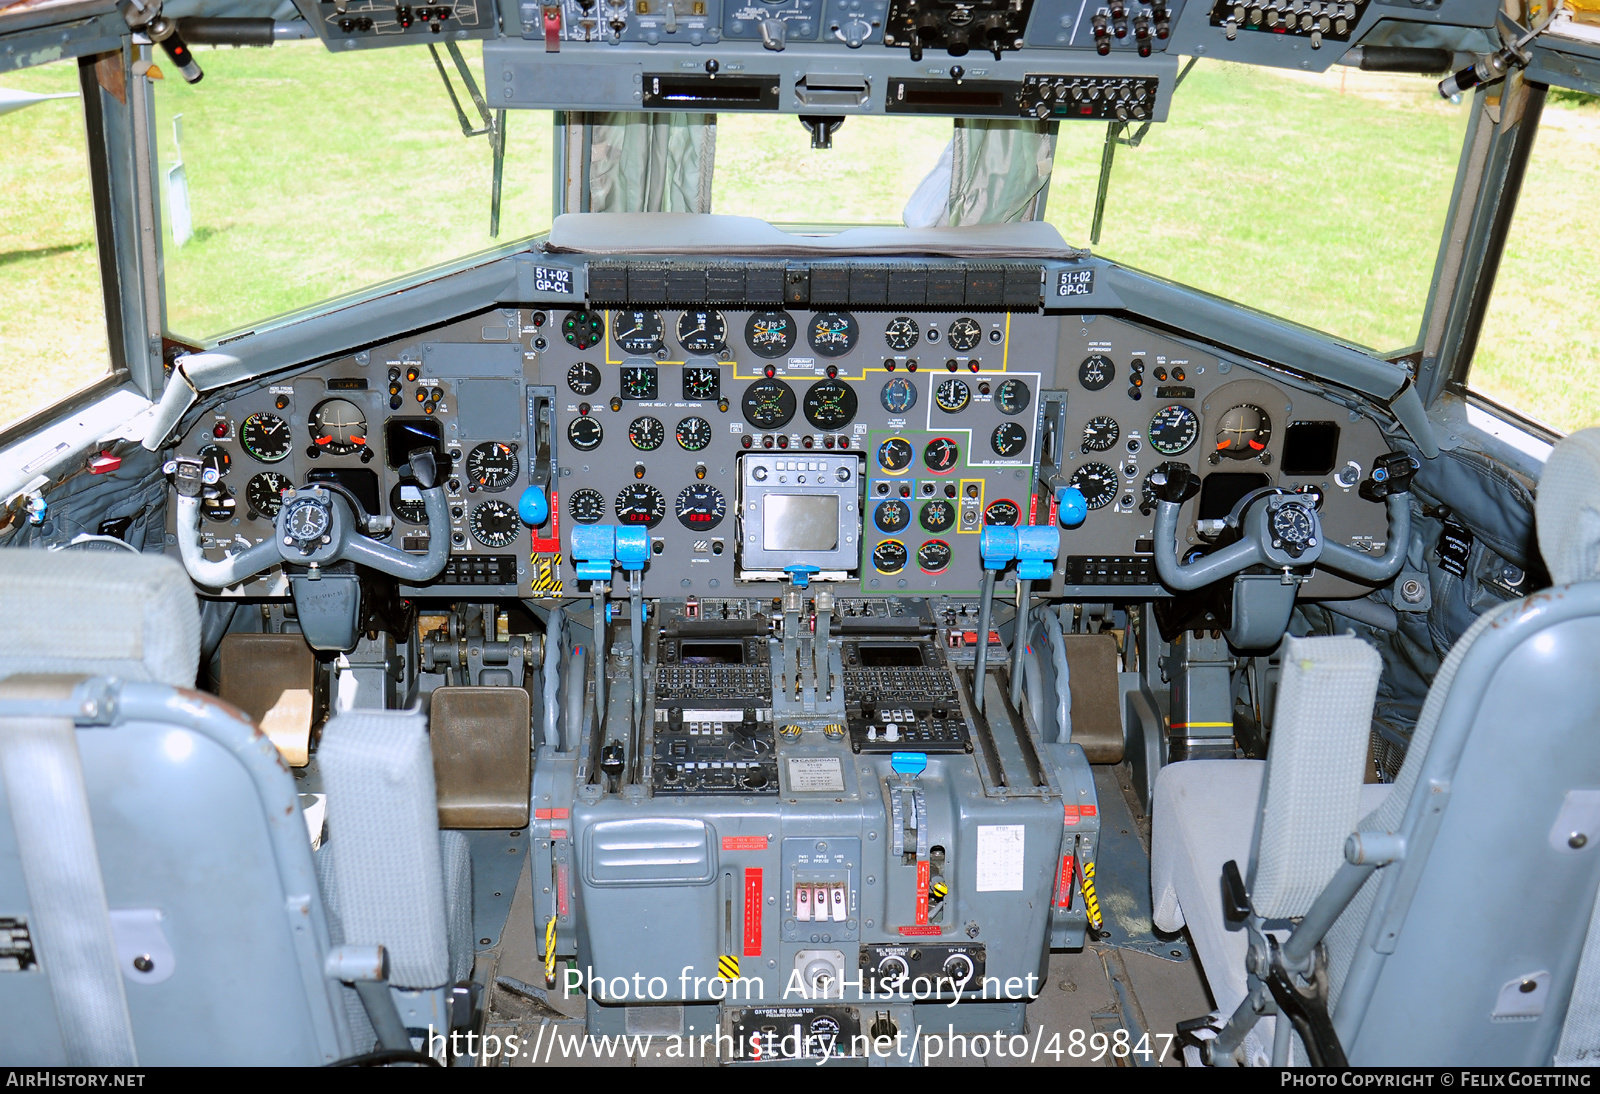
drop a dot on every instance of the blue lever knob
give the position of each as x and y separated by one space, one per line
1071 509
908 763
533 507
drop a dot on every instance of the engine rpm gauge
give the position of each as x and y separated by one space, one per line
493 523
1012 396
833 333
768 404
492 465
264 493
587 506
770 333
902 333
701 383
1097 483
1173 430
889 557
895 454
1243 432
266 437
1003 513
693 434
891 515
952 395
898 395
640 382
829 404
1096 372
637 331
1100 433
641 503
941 454
933 556
585 434
700 507
646 433
338 427
703 331
964 334
583 378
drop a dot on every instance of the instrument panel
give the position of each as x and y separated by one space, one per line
868 446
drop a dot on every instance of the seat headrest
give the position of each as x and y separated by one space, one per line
100 613
1568 509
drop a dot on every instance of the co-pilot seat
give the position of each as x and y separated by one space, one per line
159 903
1460 925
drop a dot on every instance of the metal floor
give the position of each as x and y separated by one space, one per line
1104 988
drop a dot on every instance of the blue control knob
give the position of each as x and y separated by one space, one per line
1071 509
908 763
533 507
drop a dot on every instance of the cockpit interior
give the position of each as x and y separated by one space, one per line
892 533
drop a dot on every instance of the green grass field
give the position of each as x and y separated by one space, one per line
1318 198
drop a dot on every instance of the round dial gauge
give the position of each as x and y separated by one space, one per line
694 434
829 404
583 378
1100 433
902 333
218 503
1292 527
637 331
833 333
585 434
964 334
215 457
896 454
1097 483
1243 432
891 515
1096 371
701 383
338 427
492 465
952 395
770 333
889 557
641 503
703 331
1147 490
898 395
264 493
306 520
582 329
1173 430
587 506
1008 439
1012 396
1003 513
768 404
267 437
933 556
493 523
406 502
937 515
941 454
639 383
700 507
646 433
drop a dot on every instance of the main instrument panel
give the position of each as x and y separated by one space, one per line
868 446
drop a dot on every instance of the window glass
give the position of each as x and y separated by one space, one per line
52 314
311 174
1317 198
1540 344
767 168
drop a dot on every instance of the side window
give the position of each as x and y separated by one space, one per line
291 176
1320 198
52 314
1539 348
